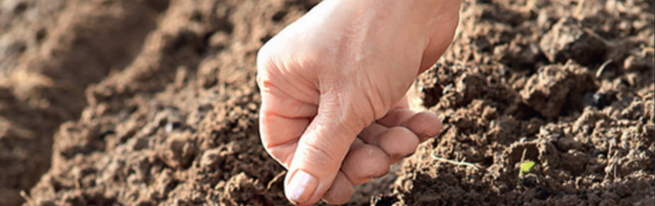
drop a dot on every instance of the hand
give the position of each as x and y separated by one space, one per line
333 83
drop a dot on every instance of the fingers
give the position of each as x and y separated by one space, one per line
400 113
402 104
314 161
398 142
425 125
371 133
365 162
408 130
395 117
281 128
378 147
340 192
279 136
320 152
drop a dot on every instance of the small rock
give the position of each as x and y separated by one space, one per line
567 39
599 100
558 88
568 143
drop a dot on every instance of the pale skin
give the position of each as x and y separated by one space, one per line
333 85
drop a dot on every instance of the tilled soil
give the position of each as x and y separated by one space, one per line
148 102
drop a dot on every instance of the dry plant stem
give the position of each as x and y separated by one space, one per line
518 181
27 198
455 162
597 36
602 68
275 179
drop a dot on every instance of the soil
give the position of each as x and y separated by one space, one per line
148 102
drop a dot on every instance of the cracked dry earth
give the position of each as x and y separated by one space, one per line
153 102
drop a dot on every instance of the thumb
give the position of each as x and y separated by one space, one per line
322 149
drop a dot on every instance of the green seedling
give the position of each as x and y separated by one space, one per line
526 167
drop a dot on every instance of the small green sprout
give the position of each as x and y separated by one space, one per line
526 167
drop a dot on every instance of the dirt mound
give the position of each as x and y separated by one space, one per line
154 102
177 124
51 51
572 92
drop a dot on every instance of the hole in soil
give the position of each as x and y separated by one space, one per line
525 112
543 193
488 161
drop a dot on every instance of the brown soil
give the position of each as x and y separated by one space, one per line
146 102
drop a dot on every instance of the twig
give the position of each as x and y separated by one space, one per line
602 67
275 179
455 162
27 198
597 36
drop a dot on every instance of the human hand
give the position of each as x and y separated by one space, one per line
333 83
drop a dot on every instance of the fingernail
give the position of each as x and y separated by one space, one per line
301 186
